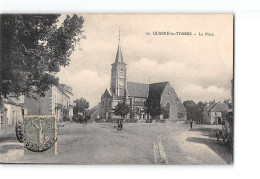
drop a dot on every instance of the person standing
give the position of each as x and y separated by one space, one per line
119 125
191 122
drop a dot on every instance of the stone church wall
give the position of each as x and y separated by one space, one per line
169 96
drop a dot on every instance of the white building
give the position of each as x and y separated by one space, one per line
11 112
214 114
57 101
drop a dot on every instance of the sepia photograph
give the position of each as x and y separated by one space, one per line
117 89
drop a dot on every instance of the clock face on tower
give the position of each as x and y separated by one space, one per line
121 83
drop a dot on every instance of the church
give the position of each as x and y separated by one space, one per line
135 94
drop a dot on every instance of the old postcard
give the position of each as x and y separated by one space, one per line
117 89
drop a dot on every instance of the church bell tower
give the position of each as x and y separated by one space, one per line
118 74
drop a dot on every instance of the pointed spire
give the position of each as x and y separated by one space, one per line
119 56
119 36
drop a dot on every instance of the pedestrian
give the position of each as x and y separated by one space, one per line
119 125
191 122
117 122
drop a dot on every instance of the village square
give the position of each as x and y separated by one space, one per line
131 123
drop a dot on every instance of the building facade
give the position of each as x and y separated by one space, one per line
214 113
57 101
93 113
11 111
135 94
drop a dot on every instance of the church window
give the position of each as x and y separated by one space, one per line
121 73
168 107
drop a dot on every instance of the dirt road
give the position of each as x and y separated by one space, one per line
138 143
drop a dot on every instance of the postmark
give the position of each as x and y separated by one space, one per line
38 133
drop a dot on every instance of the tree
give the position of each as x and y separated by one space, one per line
165 112
81 105
152 107
194 111
33 48
190 109
122 110
200 108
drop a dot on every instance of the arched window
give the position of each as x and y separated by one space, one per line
168 107
121 71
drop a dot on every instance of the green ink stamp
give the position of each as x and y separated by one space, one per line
40 134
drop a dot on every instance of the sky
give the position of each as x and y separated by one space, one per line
199 68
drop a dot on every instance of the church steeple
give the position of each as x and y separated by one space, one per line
119 36
118 74
119 56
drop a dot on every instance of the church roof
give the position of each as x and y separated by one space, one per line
107 94
157 88
119 56
137 89
141 89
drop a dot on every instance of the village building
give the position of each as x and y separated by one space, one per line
2 112
214 113
135 94
11 111
57 101
93 113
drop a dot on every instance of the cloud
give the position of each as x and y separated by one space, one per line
181 76
199 64
87 84
190 83
197 93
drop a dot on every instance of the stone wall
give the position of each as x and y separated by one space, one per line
169 96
